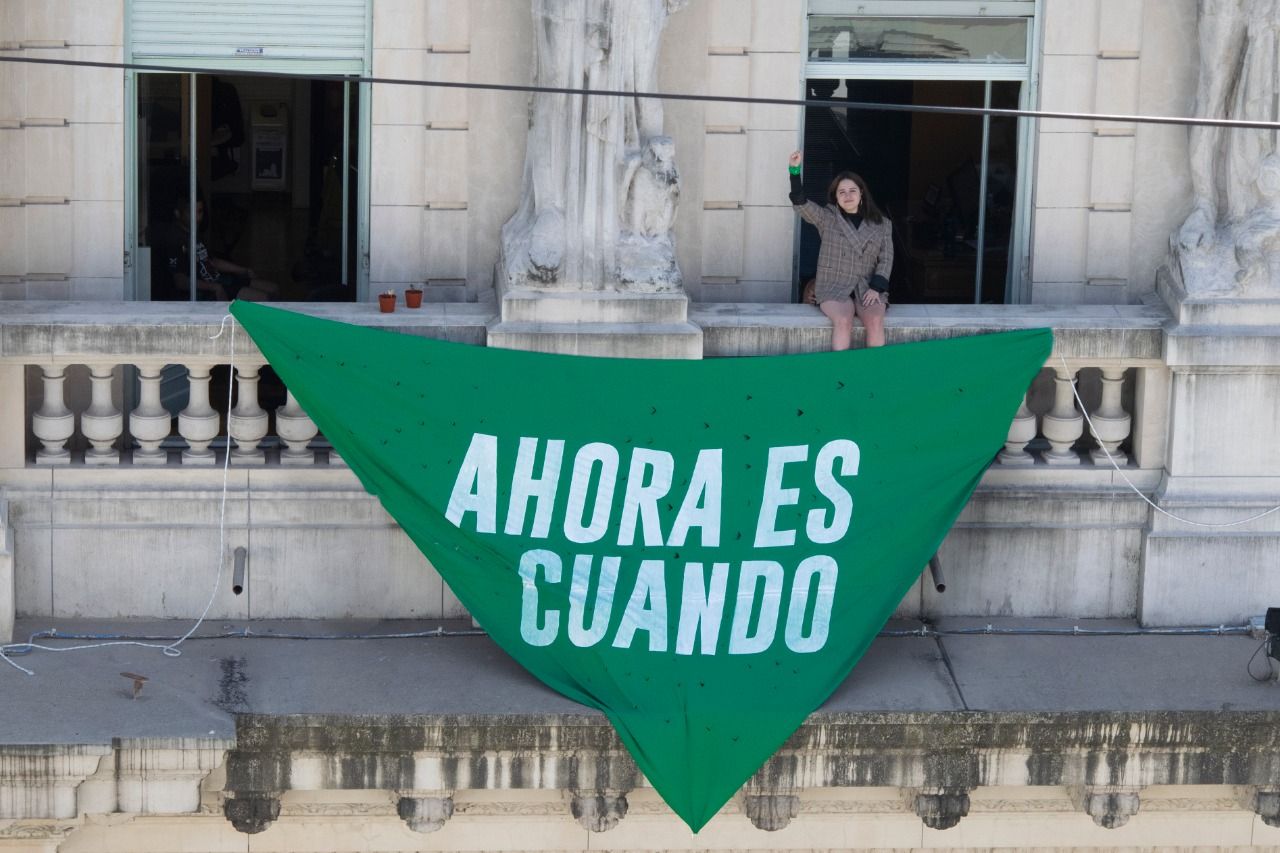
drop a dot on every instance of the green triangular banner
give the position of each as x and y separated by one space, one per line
700 549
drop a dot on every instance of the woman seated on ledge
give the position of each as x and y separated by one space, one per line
855 258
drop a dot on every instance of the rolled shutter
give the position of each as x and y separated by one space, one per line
250 30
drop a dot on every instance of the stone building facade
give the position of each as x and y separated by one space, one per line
110 417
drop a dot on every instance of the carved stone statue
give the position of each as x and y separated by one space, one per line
1237 80
600 184
1256 236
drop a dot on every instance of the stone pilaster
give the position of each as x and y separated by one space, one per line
1222 463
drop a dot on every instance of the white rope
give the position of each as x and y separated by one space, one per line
1138 491
167 649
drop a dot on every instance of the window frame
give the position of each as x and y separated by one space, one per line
304 68
1018 282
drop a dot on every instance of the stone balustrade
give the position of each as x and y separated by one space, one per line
115 417
147 355
150 355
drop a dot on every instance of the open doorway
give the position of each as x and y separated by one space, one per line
948 182
275 165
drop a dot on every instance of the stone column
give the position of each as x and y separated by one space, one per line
1222 284
1222 463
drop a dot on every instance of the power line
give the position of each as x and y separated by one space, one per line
860 106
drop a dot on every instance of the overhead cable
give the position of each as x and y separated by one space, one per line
859 106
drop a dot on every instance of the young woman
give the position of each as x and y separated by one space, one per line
856 256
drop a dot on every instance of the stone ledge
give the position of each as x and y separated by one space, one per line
603 340
1128 334
849 749
75 332
170 332
1103 759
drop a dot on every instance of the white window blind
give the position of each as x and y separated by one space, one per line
249 30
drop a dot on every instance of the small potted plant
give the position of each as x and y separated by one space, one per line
387 301
413 297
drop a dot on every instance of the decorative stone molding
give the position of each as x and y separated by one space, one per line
43 782
1110 806
598 811
163 776
62 782
770 799
23 831
252 813
939 808
425 813
770 811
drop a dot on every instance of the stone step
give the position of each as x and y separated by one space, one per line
610 340
533 306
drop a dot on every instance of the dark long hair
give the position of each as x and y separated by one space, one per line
867 208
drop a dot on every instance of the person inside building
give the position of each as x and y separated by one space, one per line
217 279
855 258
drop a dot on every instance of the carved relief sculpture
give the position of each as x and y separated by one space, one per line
600 185
1228 243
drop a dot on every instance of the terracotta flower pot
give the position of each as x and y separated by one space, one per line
386 302
413 298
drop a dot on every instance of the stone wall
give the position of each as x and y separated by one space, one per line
446 164
61 152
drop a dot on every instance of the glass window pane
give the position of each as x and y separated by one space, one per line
988 40
924 171
269 167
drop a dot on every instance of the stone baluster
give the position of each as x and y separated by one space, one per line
1021 431
198 423
296 429
1064 424
248 421
53 424
102 423
1111 423
150 423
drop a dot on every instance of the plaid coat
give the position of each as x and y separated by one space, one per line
849 256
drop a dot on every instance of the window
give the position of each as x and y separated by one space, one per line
278 164
273 162
954 185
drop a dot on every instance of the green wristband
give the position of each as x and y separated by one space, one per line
795 170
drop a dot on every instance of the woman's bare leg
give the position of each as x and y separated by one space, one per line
872 317
841 314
